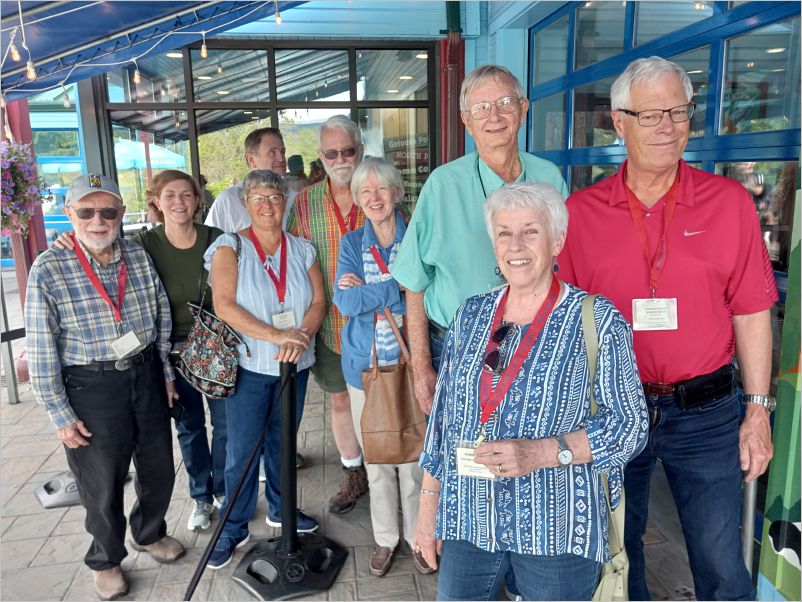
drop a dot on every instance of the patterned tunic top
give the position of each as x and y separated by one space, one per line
313 218
550 511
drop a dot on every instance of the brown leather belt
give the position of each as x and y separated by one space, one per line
697 390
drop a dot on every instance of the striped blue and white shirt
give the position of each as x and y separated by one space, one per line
67 323
257 294
552 510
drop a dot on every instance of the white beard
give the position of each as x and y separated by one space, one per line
340 176
100 245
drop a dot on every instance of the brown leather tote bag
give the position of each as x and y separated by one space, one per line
393 425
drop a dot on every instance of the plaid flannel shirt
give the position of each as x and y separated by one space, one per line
67 323
312 217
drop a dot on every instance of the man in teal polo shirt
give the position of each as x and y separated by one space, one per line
446 255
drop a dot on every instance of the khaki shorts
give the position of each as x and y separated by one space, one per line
328 368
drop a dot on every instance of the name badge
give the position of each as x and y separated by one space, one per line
385 277
285 319
125 344
466 466
654 314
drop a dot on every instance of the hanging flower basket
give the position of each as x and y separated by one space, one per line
21 187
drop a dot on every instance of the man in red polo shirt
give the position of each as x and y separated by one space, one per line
680 253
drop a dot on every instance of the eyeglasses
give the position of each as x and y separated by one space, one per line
653 117
333 154
260 199
494 360
107 213
482 110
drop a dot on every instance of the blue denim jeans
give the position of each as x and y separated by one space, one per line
255 400
469 573
699 451
206 468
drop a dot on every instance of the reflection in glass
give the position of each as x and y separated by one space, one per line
550 58
145 143
402 137
391 74
221 139
697 65
599 32
656 19
761 92
583 176
593 125
230 75
548 123
161 79
772 185
312 75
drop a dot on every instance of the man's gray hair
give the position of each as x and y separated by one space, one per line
529 195
344 123
385 172
480 75
646 70
261 178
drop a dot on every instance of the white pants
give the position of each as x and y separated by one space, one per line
384 488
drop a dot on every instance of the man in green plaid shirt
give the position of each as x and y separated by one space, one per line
324 213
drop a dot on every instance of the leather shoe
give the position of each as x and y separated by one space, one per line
420 564
110 584
166 550
381 560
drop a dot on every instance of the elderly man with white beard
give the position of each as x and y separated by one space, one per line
97 321
324 213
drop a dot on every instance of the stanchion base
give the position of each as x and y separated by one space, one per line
270 574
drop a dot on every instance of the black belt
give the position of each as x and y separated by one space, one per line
120 365
698 390
437 330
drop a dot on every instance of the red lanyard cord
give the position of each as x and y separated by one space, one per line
279 281
122 277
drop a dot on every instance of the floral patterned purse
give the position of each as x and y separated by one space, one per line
209 359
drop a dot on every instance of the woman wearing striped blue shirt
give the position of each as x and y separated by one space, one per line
364 289
512 457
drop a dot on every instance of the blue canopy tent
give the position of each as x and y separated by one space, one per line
70 41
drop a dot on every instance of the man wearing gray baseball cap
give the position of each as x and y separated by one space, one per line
98 324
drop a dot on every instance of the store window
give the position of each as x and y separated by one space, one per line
583 176
230 76
391 74
761 90
550 52
548 122
593 124
312 75
159 78
656 19
599 34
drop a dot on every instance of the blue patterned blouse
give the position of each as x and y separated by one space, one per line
552 510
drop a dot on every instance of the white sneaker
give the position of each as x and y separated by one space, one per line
218 502
199 520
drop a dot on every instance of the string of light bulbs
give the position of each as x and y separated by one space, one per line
31 74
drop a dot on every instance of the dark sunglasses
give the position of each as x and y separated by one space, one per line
333 154
493 360
107 213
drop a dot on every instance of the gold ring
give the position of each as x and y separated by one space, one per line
499 469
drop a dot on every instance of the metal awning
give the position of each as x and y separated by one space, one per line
70 41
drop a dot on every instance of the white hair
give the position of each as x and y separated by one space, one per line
480 75
344 123
384 171
529 195
646 70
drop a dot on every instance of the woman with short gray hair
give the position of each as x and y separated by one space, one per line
268 287
513 459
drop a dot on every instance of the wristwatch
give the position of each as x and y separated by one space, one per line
564 456
766 401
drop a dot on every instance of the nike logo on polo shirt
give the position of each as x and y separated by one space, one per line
686 233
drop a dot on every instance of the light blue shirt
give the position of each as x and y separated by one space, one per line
550 511
257 294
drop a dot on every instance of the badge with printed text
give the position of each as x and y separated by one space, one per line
285 319
125 344
467 466
654 314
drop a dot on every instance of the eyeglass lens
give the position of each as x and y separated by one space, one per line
346 152
259 199
107 213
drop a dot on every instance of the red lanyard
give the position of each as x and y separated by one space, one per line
379 260
344 229
657 263
491 397
122 276
281 280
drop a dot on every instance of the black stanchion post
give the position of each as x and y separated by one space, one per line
289 490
